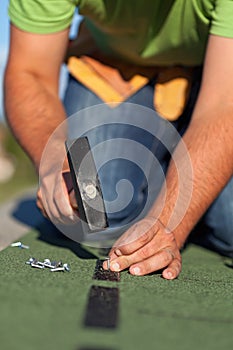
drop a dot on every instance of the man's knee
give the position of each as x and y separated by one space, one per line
217 223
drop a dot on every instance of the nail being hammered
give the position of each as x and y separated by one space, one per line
108 263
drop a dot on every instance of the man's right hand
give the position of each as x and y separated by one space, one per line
56 198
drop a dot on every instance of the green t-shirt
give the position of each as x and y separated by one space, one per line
148 32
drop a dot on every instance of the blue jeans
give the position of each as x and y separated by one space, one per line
215 229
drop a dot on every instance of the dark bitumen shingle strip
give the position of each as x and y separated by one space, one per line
105 275
102 307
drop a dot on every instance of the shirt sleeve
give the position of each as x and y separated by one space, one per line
41 16
222 19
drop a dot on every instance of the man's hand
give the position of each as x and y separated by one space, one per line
145 248
56 198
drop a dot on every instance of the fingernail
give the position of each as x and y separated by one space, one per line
118 252
136 271
169 275
115 267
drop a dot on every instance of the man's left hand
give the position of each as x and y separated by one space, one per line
145 248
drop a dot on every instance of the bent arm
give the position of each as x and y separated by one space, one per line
151 245
32 105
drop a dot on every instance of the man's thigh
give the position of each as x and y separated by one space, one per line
215 229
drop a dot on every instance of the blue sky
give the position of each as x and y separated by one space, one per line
4 40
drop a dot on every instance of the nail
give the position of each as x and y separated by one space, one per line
58 269
23 246
108 263
115 267
66 267
16 244
56 264
31 260
136 271
37 266
47 263
20 245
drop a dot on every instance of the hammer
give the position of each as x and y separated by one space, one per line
86 185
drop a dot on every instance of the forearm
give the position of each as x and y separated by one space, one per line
33 111
209 145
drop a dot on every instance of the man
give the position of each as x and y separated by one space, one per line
152 37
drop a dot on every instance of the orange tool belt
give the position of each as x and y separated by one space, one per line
113 81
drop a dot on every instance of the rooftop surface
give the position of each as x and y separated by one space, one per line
45 310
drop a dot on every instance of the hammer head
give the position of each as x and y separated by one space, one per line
86 185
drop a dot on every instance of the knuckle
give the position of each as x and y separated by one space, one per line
177 267
167 259
144 252
168 256
63 207
142 229
178 264
54 215
170 238
124 262
146 267
38 203
39 197
58 193
41 208
145 237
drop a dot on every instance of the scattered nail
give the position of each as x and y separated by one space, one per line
37 266
57 269
54 265
66 267
30 261
16 244
19 245
24 246
47 263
